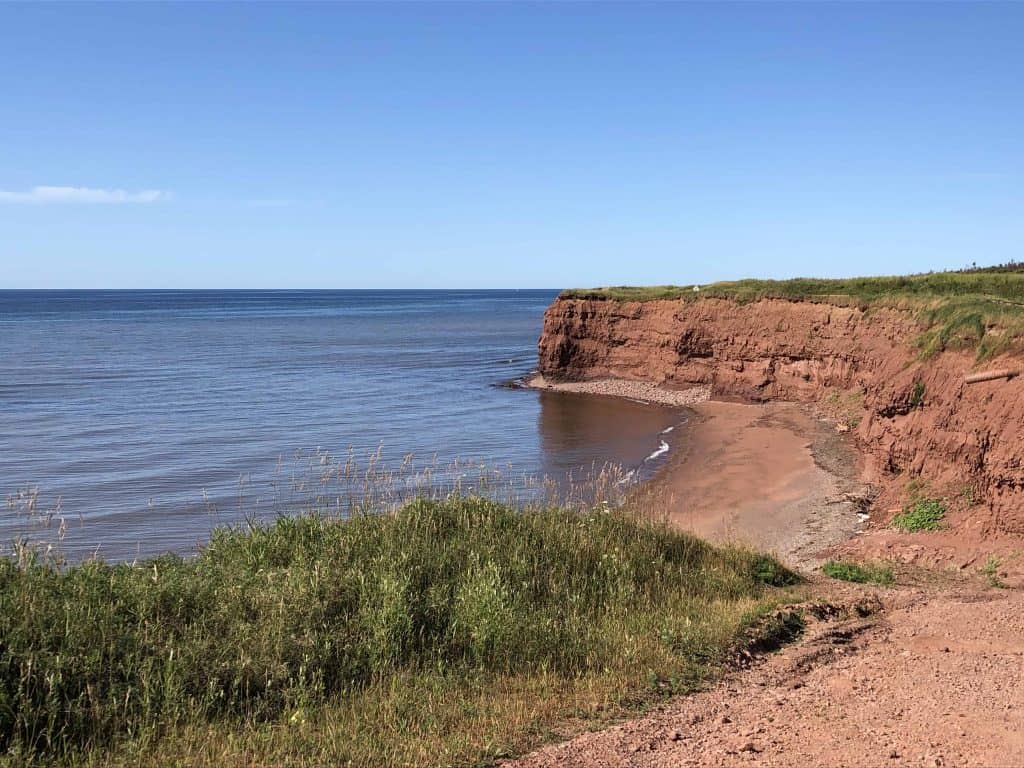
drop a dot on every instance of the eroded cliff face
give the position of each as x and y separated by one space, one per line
915 420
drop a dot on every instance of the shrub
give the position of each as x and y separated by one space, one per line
924 514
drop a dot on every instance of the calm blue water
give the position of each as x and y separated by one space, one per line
153 415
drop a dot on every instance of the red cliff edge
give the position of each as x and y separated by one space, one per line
917 422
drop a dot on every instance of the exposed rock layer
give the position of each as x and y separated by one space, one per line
914 419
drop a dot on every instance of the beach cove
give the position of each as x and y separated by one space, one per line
779 477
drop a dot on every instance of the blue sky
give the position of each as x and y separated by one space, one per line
505 145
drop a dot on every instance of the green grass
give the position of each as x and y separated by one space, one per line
917 396
860 573
448 633
923 514
981 309
991 572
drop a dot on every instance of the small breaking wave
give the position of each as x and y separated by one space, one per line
666 430
662 448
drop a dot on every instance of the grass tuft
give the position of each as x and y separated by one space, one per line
917 396
449 632
844 407
1007 286
991 572
860 573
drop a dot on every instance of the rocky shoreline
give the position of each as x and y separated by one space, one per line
644 391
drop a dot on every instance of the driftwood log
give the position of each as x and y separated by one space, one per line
1004 373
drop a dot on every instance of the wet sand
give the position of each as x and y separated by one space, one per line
770 475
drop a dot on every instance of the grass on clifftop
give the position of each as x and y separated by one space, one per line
448 633
1005 284
981 308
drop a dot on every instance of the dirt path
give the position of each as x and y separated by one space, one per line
935 679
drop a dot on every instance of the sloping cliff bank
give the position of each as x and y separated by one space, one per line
921 427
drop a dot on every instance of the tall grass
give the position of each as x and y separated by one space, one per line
444 633
337 485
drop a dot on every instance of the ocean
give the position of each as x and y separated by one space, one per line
142 418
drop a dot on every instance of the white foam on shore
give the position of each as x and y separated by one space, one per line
634 400
666 430
662 448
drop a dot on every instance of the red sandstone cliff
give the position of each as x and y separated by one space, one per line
917 419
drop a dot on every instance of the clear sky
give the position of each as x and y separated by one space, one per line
504 145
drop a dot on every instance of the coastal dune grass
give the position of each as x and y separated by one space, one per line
980 309
447 633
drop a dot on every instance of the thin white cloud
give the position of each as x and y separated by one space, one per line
44 195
